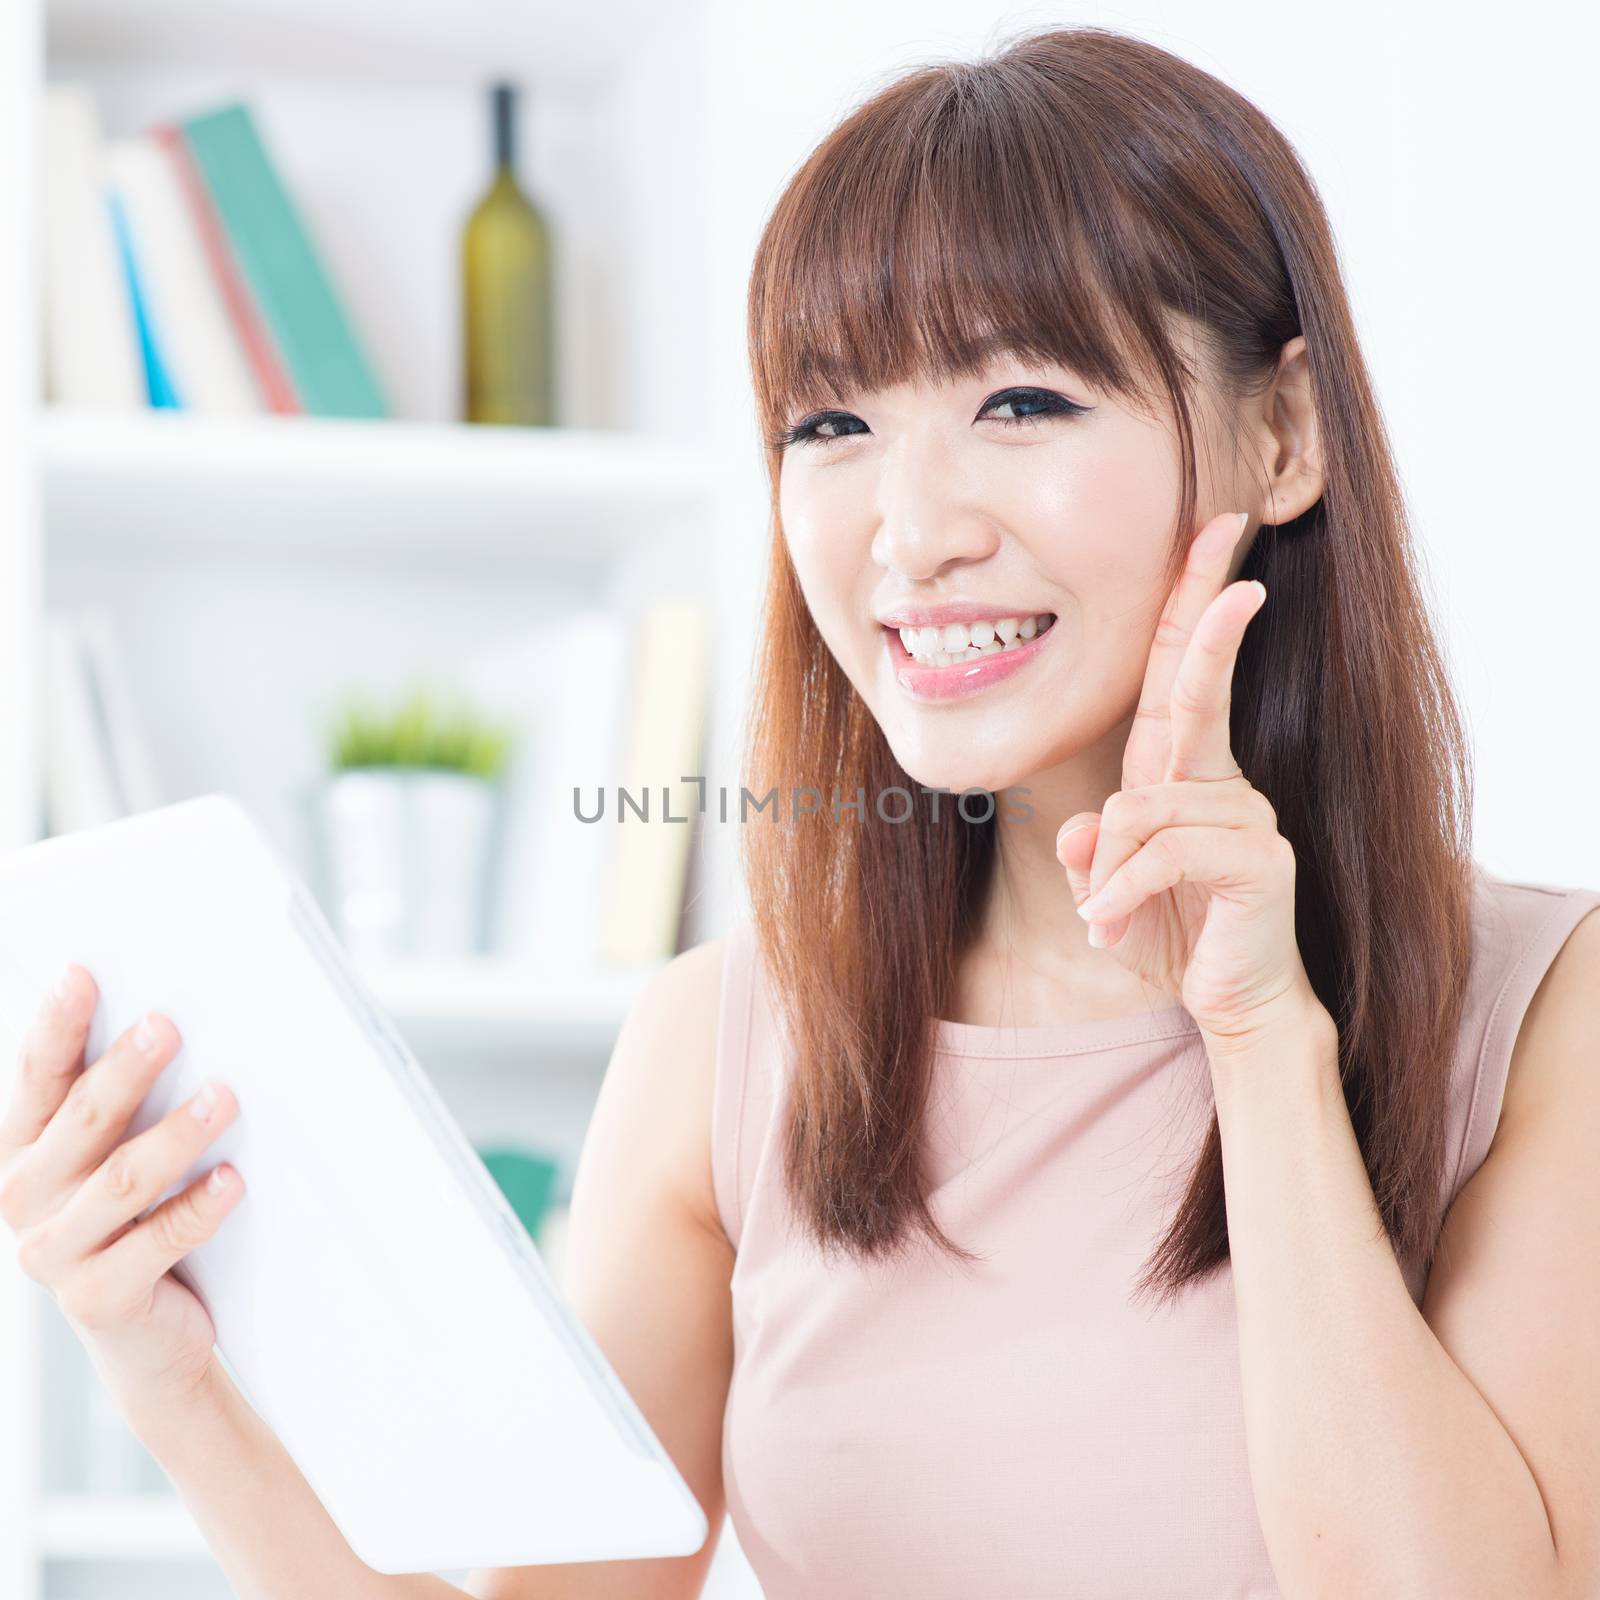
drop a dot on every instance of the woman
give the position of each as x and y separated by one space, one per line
1162 1172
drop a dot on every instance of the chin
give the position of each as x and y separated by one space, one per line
954 765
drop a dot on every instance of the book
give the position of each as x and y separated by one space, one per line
564 686
90 345
280 263
135 781
647 870
200 351
159 389
80 786
97 761
272 380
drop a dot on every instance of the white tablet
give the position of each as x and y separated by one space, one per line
373 1292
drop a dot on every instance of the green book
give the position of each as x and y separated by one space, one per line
293 292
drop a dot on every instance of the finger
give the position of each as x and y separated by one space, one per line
181 1222
1076 854
1241 863
1075 846
96 1111
1202 744
1131 817
106 1205
50 1059
1146 756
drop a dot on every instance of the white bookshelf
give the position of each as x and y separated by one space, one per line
573 497
503 1009
386 542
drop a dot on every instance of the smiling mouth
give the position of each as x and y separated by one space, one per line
957 643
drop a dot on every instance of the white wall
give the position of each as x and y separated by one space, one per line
1456 159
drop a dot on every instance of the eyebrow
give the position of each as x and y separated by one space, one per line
992 348
993 345
986 350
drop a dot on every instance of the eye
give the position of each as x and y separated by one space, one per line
804 432
1049 404
1029 407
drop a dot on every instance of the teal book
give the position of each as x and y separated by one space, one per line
158 384
279 262
527 1178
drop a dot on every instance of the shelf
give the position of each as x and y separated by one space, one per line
152 479
370 40
503 1008
141 1527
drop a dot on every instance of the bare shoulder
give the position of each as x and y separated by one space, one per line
664 1067
1514 1293
1555 1069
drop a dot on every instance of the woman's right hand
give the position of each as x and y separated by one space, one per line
71 1192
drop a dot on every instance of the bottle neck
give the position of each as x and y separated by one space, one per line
505 128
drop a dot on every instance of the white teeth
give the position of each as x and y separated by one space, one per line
956 642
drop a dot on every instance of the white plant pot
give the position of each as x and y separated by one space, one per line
408 854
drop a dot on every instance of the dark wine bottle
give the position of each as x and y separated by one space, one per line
507 325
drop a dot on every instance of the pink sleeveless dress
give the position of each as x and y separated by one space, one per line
1022 1430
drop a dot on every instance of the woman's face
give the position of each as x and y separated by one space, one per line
935 508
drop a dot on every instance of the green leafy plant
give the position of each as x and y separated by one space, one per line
420 732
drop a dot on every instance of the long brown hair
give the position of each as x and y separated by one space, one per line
1059 198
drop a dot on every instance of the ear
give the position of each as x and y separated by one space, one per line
1285 423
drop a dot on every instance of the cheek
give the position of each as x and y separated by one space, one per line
1099 522
829 558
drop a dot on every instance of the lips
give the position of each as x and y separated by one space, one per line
909 616
962 641
963 678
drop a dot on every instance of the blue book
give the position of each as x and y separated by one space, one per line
158 380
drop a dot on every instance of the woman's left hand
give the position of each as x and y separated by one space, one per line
1190 878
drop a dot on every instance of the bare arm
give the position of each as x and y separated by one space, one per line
1443 1452
263 1522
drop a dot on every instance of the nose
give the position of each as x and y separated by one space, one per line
927 521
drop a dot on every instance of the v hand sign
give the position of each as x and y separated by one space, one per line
1183 872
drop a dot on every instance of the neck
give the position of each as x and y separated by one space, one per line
1030 962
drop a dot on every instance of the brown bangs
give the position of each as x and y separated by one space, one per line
940 226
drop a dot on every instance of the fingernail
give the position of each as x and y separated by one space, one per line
1090 907
64 984
203 1104
218 1181
1244 520
1097 935
1066 832
145 1034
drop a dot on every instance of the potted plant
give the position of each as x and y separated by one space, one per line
409 811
